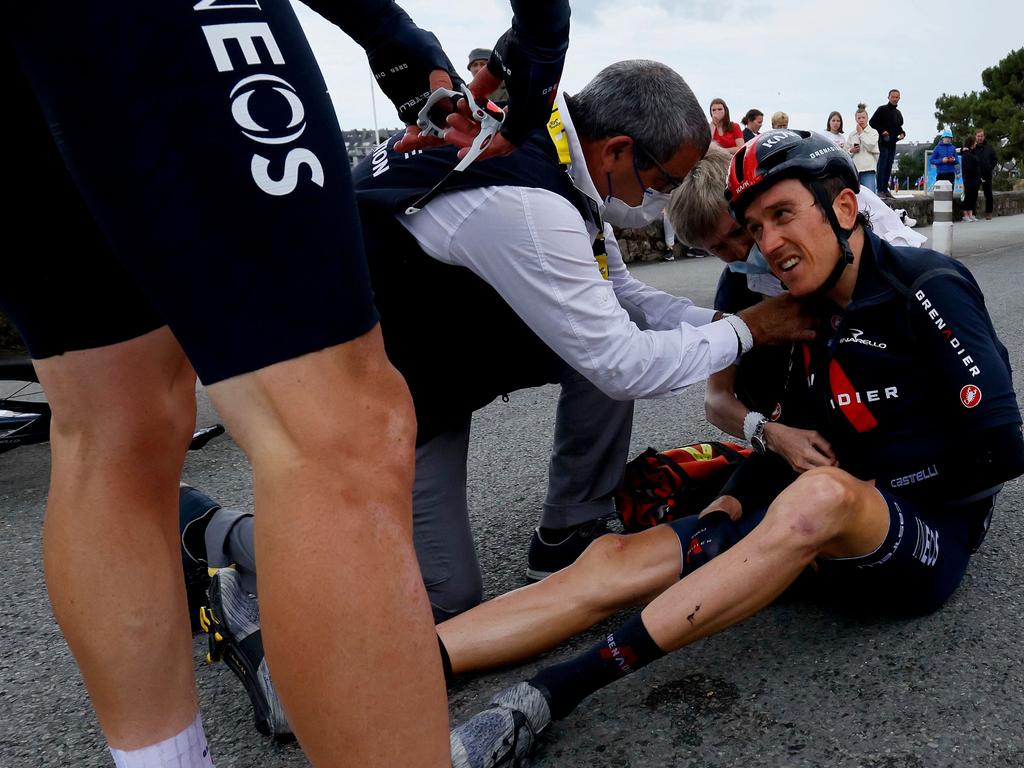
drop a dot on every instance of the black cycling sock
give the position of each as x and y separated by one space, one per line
621 653
446 661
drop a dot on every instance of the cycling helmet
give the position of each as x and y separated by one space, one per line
772 156
947 134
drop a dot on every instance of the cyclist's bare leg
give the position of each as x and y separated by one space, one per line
613 573
825 512
122 418
347 627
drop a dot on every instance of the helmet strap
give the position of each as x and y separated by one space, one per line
842 236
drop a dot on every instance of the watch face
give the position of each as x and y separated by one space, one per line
758 442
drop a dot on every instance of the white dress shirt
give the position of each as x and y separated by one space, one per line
535 249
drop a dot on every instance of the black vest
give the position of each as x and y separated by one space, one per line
453 337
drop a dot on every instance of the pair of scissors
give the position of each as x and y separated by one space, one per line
489 115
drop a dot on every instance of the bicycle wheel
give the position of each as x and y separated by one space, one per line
24 412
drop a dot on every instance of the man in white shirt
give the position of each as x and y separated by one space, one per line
528 228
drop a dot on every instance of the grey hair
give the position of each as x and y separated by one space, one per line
698 203
645 100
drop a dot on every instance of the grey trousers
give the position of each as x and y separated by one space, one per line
588 457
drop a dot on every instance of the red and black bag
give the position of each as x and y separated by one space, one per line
662 486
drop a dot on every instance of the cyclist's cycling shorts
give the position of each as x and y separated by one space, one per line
913 572
919 565
178 164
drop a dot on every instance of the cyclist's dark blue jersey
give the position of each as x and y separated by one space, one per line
912 383
913 390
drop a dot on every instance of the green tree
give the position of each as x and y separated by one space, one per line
997 108
911 164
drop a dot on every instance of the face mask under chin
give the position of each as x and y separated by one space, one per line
754 265
634 216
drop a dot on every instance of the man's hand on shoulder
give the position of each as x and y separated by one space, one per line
778 320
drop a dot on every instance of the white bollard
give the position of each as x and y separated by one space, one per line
942 222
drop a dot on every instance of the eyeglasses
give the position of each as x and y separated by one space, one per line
670 181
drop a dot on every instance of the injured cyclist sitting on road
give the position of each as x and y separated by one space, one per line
738 397
909 369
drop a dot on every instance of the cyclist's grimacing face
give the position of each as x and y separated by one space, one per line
795 237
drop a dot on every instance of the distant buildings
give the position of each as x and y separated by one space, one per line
360 141
914 147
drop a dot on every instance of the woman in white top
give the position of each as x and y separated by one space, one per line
862 143
834 129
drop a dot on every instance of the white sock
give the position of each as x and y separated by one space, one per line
186 750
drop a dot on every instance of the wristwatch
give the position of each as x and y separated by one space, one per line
757 439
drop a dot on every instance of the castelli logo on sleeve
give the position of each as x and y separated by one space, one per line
970 395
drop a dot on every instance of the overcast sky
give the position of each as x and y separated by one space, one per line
805 58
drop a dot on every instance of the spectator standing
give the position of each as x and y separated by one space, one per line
862 143
752 122
834 129
945 159
986 164
888 121
724 132
971 170
780 120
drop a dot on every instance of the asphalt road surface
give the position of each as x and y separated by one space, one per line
801 684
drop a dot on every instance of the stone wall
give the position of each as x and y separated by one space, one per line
921 208
640 245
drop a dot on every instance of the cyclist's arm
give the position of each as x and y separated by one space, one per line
972 377
721 408
402 56
529 59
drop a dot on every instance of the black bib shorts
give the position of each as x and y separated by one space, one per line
178 164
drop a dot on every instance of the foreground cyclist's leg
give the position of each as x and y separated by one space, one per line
122 418
258 212
330 435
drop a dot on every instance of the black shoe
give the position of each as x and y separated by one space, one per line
553 551
232 620
195 509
